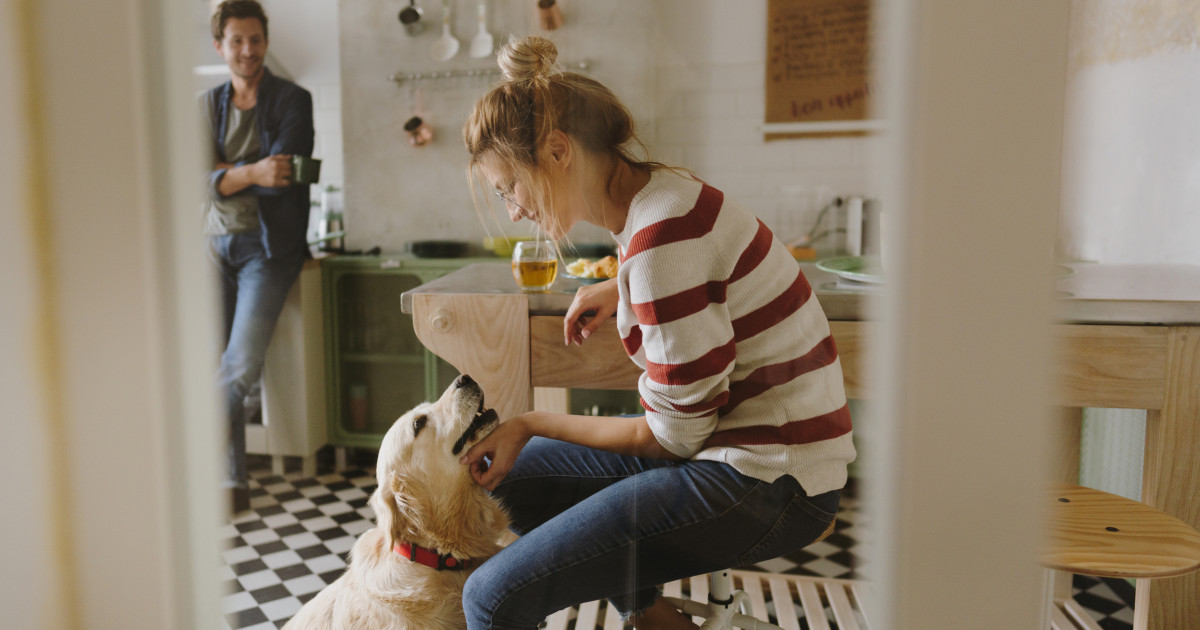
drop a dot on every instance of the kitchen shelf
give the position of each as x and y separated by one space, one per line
401 77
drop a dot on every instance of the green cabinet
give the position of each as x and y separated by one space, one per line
377 369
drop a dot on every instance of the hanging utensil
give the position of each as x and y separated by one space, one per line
420 133
410 17
482 45
548 16
446 46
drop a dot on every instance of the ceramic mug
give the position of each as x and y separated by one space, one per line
305 170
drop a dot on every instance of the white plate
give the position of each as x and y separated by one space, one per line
856 268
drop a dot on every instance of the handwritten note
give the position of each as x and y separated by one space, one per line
818 60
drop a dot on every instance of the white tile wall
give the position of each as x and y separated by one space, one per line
711 77
690 70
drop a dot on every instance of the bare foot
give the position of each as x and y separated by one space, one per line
662 616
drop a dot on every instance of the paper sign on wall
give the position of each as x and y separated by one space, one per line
818 76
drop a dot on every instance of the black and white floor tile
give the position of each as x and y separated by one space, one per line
295 538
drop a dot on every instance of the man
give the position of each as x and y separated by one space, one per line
257 218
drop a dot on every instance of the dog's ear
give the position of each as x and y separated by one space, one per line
392 510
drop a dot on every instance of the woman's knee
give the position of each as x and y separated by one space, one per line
472 598
482 595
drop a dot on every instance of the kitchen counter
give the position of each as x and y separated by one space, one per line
1092 294
1129 338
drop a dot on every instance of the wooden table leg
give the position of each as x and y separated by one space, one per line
1171 480
485 336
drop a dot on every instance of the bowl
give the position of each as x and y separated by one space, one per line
503 245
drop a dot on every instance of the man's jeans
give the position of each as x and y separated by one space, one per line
254 289
594 524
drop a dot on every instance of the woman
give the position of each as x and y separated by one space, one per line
743 449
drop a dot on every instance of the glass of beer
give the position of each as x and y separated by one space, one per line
534 265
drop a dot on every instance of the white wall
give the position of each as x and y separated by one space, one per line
692 72
1132 142
711 65
1131 172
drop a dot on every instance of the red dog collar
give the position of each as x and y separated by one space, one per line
430 557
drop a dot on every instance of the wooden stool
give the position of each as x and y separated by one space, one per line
1091 532
728 599
1097 533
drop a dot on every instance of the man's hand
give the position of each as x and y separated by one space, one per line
273 171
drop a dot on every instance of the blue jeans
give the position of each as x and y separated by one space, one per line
597 525
253 289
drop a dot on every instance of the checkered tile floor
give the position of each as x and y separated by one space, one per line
295 538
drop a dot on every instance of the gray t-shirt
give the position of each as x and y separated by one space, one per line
238 212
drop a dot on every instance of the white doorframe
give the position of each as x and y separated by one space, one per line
975 103
108 341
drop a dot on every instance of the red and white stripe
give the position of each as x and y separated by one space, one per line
739 362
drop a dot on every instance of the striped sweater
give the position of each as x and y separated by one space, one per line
738 362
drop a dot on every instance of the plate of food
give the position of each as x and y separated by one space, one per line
590 271
855 268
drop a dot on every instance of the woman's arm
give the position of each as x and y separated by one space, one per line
624 435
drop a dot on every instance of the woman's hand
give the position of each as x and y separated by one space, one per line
601 298
501 447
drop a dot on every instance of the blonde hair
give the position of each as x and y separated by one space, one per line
515 118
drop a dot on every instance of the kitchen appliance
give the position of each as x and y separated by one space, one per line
330 230
862 226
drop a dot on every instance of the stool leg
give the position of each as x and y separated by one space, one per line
720 587
1056 588
1141 604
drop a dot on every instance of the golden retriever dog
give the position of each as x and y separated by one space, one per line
434 524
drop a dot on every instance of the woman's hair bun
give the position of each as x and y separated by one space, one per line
528 58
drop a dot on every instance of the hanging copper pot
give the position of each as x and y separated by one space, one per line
548 16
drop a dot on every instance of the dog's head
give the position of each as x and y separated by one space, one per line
425 496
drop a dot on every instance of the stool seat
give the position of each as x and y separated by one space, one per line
1097 533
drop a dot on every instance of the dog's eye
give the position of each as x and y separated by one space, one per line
418 424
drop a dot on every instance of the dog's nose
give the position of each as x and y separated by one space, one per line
464 381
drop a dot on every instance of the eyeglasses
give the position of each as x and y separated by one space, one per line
506 197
